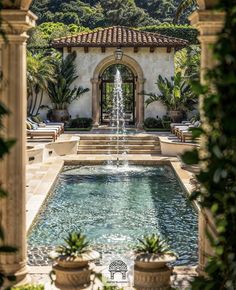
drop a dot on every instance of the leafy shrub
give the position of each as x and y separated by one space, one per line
153 123
29 287
166 120
153 244
76 244
180 31
81 123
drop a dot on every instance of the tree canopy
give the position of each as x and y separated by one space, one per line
100 13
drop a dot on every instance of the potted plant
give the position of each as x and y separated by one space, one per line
150 269
60 90
72 262
176 94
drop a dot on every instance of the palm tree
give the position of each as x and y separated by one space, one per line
39 71
184 4
176 94
60 91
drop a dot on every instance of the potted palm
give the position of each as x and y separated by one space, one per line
176 94
72 262
150 269
61 91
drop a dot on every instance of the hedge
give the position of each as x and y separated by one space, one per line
180 31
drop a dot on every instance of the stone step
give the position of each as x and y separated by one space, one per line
111 142
113 147
103 151
127 137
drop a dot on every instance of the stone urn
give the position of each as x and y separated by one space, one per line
176 116
73 273
151 271
60 115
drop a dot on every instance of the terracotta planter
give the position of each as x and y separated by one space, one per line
176 116
60 115
151 272
74 273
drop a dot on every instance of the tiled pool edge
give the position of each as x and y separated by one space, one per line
41 192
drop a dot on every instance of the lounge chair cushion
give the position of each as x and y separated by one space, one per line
29 125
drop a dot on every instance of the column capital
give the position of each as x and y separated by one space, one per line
208 22
15 23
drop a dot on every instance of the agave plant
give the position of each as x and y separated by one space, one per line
176 94
61 92
153 244
75 245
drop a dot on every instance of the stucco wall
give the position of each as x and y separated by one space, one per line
152 64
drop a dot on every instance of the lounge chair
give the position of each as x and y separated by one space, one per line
40 121
39 133
45 126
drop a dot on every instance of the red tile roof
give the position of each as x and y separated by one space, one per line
119 36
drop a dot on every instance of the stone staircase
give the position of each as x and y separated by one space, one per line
107 144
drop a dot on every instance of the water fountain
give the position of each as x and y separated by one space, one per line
118 117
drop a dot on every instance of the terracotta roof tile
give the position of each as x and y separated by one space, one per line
119 36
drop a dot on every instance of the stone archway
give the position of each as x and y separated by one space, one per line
139 97
13 168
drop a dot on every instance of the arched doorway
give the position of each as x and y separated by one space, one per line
107 87
134 67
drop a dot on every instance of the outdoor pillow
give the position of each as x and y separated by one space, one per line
196 124
28 125
34 126
35 119
39 118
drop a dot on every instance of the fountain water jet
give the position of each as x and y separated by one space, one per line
118 116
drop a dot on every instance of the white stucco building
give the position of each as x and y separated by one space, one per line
141 55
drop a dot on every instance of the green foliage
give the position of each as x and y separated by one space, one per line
29 287
185 4
39 71
180 31
81 123
152 123
101 13
42 35
187 62
217 177
5 146
153 244
176 94
126 13
76 244
60 90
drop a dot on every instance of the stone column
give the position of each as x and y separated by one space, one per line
12 173
140 104
95 102
209 23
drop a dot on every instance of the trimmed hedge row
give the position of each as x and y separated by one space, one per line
180 31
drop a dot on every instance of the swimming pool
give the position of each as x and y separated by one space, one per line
115 206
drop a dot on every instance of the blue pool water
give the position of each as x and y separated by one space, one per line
115 206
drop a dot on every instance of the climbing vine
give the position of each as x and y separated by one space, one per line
217 177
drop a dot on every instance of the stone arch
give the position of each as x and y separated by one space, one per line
134 66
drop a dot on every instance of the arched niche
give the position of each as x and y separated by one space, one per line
134 66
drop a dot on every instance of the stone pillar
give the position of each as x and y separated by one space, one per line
12 173
95 102
209 23
140 104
